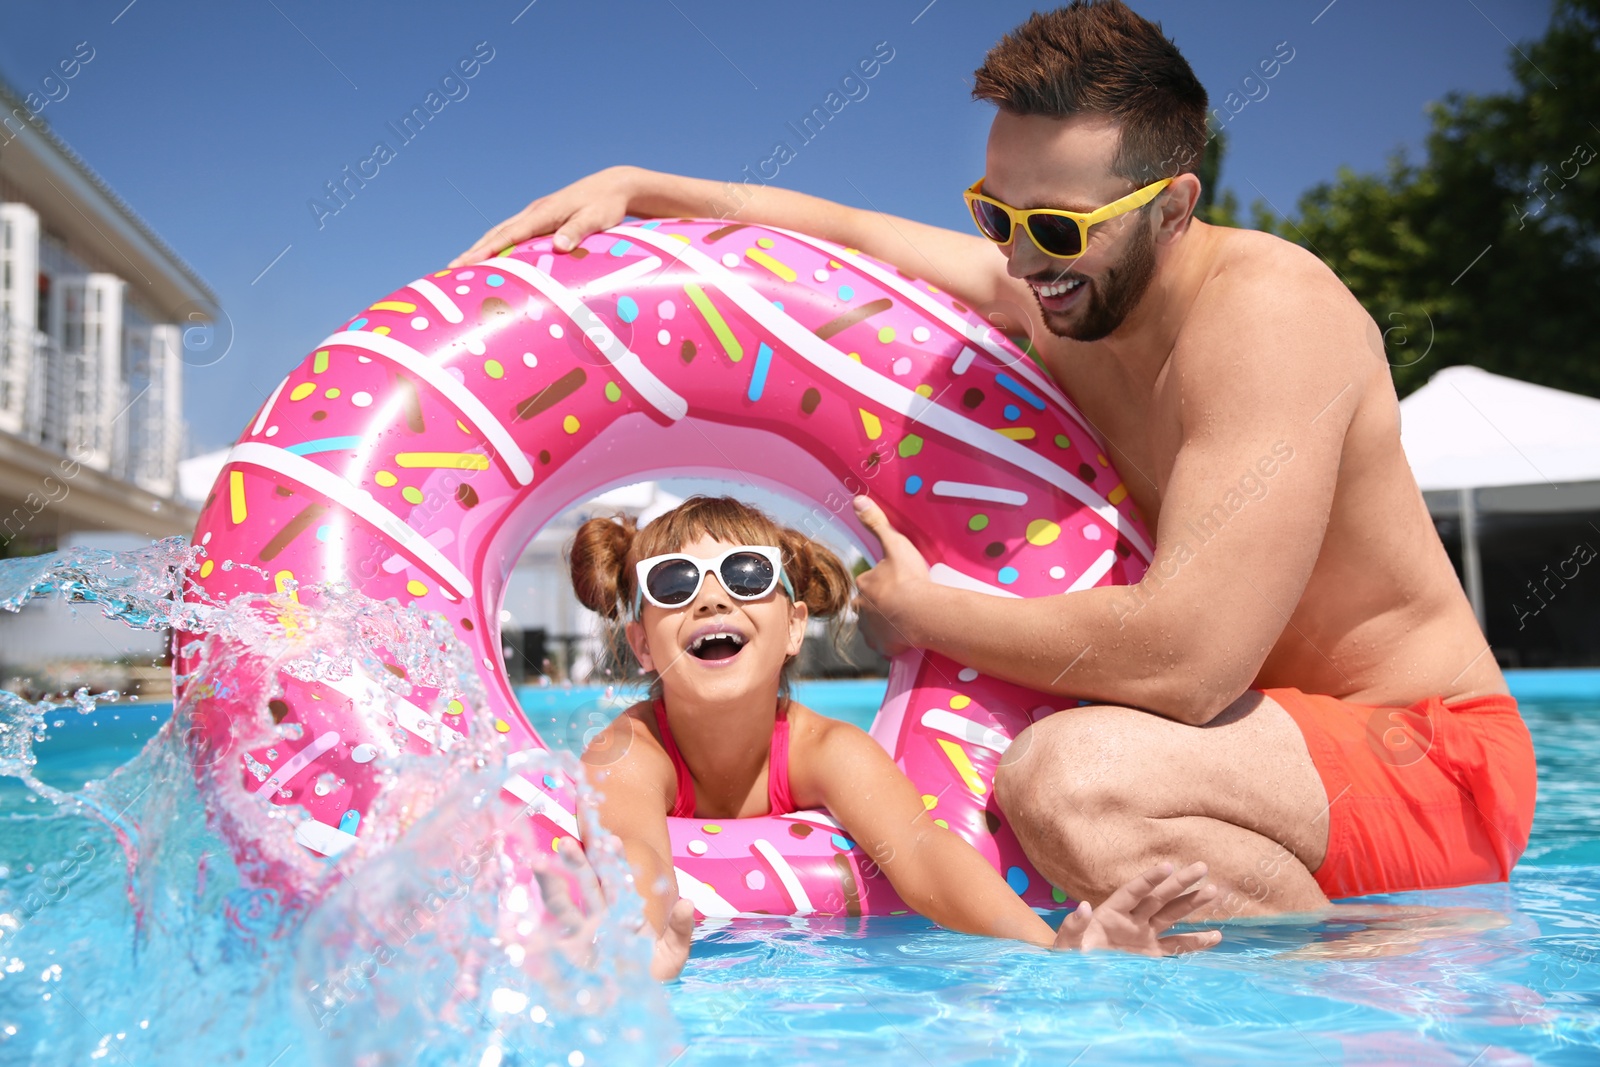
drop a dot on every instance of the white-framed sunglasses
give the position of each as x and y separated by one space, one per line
671 580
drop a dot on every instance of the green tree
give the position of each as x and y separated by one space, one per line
1488 251
1219 211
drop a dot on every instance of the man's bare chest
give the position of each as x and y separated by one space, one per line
1138 428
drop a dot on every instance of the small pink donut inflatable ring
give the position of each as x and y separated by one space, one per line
418 450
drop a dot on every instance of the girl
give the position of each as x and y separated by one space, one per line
714 597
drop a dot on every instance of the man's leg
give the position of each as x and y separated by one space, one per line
1098 794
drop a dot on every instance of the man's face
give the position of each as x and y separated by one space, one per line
1035 161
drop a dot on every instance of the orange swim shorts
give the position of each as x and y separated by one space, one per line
1424 797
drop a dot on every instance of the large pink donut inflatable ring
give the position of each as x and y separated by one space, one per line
438 430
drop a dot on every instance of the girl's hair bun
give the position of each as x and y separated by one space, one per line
818 576
598 559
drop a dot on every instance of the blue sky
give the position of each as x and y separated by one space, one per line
221 123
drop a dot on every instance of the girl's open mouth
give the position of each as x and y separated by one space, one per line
721 645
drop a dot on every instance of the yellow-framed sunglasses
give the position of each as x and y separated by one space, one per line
1057 233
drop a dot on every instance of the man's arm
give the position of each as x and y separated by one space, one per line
965 265
1268 378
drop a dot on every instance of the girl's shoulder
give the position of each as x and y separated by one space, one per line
631 768
826 754
812 729
630 737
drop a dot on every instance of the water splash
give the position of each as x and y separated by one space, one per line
131 933
135 587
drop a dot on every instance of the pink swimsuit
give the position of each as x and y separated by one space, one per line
778 799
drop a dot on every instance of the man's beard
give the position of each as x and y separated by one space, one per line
1124 286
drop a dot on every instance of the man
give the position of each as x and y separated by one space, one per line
1297 693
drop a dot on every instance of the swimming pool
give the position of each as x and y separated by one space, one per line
1508 978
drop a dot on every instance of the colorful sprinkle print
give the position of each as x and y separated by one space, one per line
433 420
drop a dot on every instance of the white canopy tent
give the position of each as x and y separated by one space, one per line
1526 447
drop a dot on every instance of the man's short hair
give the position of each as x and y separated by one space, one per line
1098 56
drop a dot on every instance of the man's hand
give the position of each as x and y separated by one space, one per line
587 206
1134 917
889 589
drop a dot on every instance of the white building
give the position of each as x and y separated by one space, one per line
93 306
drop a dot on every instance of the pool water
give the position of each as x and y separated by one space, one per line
1483 975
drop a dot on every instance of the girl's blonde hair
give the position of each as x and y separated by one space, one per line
604 550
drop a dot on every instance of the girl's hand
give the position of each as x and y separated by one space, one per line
672 947
577 903
1134 917
586 206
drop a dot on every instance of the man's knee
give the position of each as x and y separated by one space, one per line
1069 786
1065 768
1018 776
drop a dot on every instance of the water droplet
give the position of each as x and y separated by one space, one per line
325 783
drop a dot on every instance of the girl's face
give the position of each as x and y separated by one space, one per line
677 643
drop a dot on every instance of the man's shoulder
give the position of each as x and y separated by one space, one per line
1269 304
1255 272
